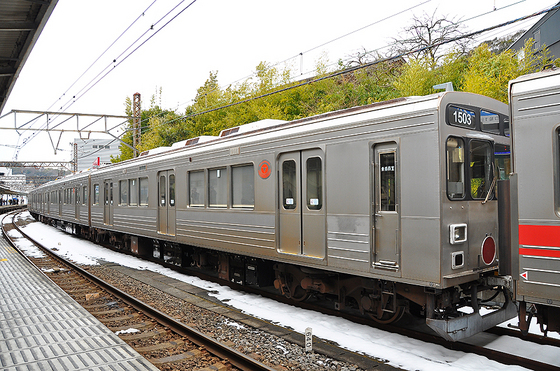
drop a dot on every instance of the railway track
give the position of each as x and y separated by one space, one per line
164 341
502 357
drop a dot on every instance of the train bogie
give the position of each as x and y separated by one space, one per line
378 206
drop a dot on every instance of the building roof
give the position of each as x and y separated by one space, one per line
21 23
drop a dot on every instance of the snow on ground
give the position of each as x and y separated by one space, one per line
397 350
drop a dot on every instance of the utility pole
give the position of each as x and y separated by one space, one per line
136 130
75 165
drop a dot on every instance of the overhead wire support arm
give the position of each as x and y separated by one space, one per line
92 124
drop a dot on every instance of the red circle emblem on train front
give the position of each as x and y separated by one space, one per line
264 169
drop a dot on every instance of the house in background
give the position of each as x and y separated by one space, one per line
545 32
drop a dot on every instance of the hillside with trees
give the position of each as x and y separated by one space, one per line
413 69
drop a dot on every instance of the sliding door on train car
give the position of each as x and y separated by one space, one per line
108 202
301 211
386 218
166 204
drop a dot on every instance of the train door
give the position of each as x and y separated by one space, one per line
386 230
108 202
166 208
301 208
59 202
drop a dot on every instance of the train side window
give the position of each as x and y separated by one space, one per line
171 189
388 179
123 191
289 184
556 171
242 186
143 191
196 188
455 168
314 183
133 192
217 187
162 191
85 195
480 169
96 194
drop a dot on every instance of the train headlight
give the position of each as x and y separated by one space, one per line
488 250
457 233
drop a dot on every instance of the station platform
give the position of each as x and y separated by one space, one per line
43 328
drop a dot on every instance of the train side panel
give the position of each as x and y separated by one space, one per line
536 134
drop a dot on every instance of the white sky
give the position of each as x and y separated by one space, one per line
399 351
230 37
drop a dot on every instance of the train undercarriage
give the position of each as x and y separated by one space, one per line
381 300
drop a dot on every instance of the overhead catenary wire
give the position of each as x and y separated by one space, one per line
370 64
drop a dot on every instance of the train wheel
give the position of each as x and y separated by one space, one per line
299 294
388 317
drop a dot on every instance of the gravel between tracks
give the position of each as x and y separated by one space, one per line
265 347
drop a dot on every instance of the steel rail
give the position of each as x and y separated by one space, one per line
233 356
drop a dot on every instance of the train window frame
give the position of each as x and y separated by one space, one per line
289 185
454 118
485 118
314 191
481 195
243 186
460 158
123 196
172 189
218 182
133 192
84 195
144 194
96 191
199 200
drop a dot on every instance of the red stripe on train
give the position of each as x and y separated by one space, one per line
539 252
539 235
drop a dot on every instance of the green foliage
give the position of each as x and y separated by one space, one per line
489 73
273 93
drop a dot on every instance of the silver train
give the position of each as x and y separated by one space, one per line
530 201
382 209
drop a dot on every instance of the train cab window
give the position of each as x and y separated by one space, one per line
143 191
289 184
133 192
171 190
502 160
96 194
196 188
490 122
387 167
123 192
480 169
217 187
242 186
314 183
455 168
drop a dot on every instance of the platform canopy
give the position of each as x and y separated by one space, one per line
21 23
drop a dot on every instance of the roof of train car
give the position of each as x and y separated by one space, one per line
532 81
324 121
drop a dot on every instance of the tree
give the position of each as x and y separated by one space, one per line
426 35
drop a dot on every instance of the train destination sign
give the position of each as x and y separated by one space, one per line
461 117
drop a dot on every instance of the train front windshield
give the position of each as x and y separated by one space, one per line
475 165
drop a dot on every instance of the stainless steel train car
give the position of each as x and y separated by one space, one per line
534 196
384 208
